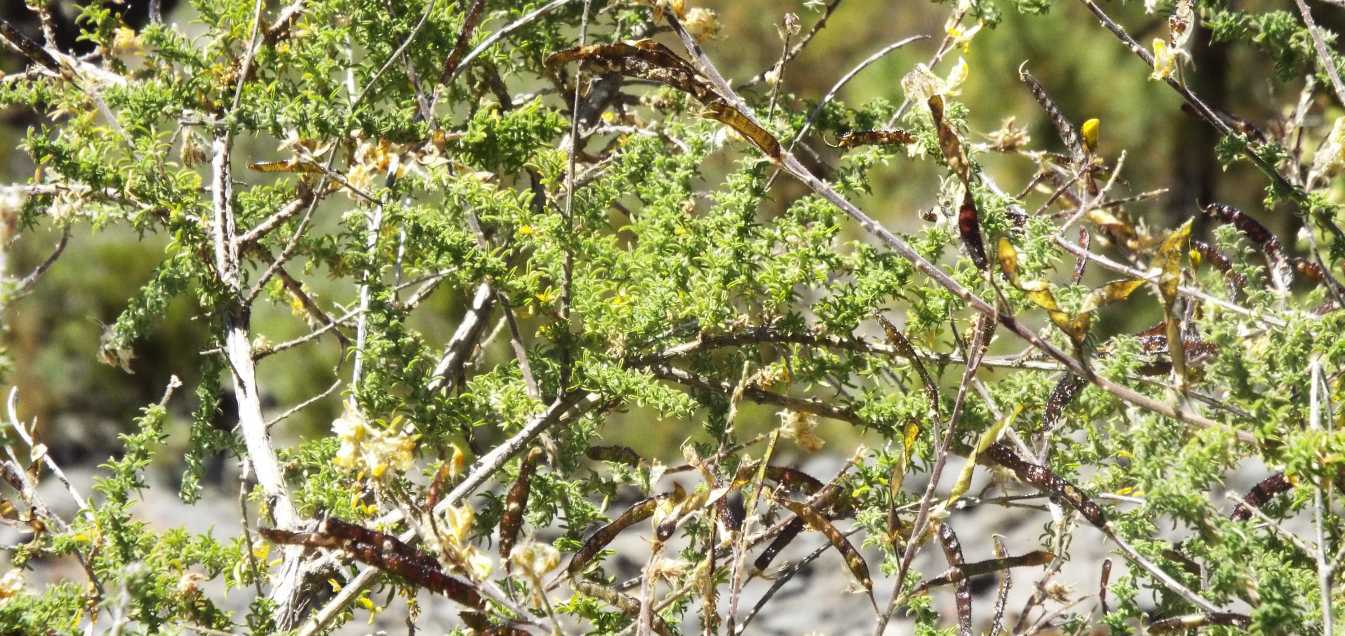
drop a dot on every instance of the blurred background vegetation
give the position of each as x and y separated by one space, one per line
81 403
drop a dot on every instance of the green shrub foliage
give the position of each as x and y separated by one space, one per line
531 232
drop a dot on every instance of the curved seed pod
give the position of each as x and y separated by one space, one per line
614 454
650 60
906 350
874 138
1068 388
1262 493
1002 595
1063 126
781 541
516 502
1006 562
853 560
1042 478
417 571
988 566
1102 585
389 554
1258 234
794 480
642 510
1192 621
969 227
1210 254
952 551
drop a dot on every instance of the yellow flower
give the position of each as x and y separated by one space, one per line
126 42
460 521
365 447
1165 60
1089 129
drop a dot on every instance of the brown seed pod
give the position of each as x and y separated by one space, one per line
1193 621
949 142
1063 126
969 227
794 480
989 566
906 350
614 454
1044 479
952 551
386 553
1082 262
1068 388
1262 493
853 560
1005 582
516 502
437 486
1210 254
1103 584
874 138
638 512
781 541
1258 234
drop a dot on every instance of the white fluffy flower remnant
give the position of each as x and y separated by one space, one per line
802 429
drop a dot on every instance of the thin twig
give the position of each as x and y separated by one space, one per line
1329 65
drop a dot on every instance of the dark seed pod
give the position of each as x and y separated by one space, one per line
874 138
1002 595
906 350
949 142
1042 478
1193 621
1259 236
614 454
1103 584
642 510
853 560
382 551
516 502
1068 388
1236 281
1262 493
952 551
969 227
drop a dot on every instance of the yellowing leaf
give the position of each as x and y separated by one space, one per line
990 436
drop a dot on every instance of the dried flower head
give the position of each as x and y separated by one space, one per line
802 429
702 24
535 559
11 584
